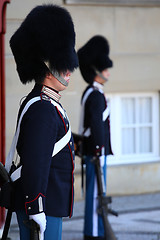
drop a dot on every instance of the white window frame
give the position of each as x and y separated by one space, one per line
115 118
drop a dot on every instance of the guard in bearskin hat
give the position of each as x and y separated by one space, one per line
43 48
94 63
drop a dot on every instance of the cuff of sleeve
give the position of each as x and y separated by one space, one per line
36 205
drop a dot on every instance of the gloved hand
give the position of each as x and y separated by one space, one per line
102 160
40 219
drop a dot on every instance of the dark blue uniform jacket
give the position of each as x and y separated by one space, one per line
46 182
95 105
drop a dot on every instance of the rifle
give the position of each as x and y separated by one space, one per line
5 183
103 208
34 230
104 201
78 147
7 225
78 141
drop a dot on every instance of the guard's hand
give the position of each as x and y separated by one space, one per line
102 160
40 219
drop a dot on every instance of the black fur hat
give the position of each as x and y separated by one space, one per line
46 35
94 55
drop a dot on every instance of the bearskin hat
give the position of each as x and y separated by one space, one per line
94 55
46 35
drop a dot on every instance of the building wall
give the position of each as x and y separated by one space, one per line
133 33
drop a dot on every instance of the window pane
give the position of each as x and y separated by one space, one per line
145 140
128 110
145 110
128 141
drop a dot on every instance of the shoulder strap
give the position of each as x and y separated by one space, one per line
81 124
86 95
57 147
65 139
82 130
11 153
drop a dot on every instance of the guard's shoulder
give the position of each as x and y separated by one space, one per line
44 97
96 94
44 106
96 98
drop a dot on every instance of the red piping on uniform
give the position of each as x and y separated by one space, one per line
41 96
72 180
41 93
33 200
72 163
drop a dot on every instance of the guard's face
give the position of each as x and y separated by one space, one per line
105 74
66 76
52 82
58 85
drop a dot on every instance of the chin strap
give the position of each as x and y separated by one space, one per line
60 78
100 74
57 75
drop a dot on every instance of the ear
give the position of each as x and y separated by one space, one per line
48 76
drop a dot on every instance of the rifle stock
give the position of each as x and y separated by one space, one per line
78 142
7 225
34 230
6 195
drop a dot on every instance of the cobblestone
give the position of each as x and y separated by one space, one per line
139 219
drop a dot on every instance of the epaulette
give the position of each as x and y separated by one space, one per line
45 97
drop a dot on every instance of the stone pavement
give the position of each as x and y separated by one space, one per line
139 219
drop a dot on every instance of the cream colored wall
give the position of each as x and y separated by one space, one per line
127 180
134 35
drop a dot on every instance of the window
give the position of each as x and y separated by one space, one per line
134 127
137 126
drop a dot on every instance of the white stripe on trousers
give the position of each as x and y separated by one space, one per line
95 203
